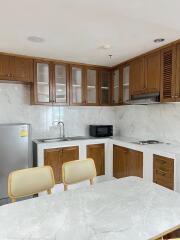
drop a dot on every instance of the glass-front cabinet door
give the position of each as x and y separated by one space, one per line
42 82
91 86
76 75
117 86
61 93
105 86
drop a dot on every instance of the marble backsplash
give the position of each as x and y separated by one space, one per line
15 108
157 121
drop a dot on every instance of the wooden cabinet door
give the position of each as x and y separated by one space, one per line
41 91
91 86
53 158
117 86
137 78
4 67
153 72
168 59
135 163
21 69
60 84
177 84
97 153
70 153
119 161
105 87
77 85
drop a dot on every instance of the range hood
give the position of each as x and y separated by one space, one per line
145 99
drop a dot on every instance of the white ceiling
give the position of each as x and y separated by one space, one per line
75 29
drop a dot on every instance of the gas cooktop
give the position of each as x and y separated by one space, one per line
146 142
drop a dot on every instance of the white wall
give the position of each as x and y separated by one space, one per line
15 107
157 121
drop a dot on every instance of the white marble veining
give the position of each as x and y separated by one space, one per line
15 107
123 209
157 121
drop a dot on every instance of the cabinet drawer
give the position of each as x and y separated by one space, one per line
165 163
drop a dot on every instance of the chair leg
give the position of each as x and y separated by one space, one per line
13 200
91 181
49 191
65 187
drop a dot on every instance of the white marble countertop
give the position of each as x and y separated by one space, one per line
128 208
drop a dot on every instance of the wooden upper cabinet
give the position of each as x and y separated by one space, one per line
105 87
42 89
137 80
97 153
117 86
168 63
60 84
21 69
4 67
77 85
177 84
53 158
153 72
91 86
16 68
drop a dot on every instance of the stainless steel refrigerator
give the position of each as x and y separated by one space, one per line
15 153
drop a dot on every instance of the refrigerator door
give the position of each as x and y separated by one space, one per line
15 152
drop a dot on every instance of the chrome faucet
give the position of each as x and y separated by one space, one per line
61 124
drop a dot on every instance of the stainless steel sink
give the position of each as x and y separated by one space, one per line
49 140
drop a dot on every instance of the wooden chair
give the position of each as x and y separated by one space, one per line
78 171
29 181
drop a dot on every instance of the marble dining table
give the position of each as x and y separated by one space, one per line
122 209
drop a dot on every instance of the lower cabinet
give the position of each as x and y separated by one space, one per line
55 158
127 162
163 171
97 153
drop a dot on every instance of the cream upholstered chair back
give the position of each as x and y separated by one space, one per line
78 171
29 181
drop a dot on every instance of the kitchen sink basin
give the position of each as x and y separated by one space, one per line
49 140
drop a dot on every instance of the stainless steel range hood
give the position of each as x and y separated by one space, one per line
145 99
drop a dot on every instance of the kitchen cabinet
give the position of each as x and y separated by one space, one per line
60 84
117 88
105 87
137 81
168 71
51 83
97 153
163 171
127 162
124 74
152 72
177 81
57 156
77 85
91 86
14 68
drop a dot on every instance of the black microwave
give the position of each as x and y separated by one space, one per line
101 130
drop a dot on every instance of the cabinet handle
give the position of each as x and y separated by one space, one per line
162 172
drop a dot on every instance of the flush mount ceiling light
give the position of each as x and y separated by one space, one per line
159 40
35 39
105 46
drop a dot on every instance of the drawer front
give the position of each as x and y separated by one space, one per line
163 171
163 162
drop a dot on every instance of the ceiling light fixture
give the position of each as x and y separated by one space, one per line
159 40
105 46
35 39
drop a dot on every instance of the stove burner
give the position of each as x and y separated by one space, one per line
147 142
